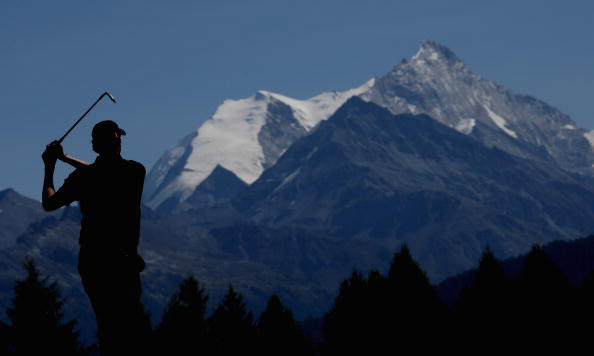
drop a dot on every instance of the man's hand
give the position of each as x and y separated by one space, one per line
52 153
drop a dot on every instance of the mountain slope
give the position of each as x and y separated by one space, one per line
368 174
16 214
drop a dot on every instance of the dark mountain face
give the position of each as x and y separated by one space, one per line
220 186
16 214
217 189
279 132
368 174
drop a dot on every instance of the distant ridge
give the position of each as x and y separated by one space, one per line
575 259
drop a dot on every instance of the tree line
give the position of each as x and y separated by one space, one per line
397 312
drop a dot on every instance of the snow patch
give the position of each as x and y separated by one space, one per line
287 180
590 137
569 127
424 54
312 153
500 122
413 109
465 126
311 111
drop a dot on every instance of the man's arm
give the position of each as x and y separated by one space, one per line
59 152
48 188
74 162
49 199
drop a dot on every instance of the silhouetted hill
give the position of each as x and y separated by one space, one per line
575 259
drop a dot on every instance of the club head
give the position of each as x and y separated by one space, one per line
111 97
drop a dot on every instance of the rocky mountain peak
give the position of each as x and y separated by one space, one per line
430 58
436 82
433 51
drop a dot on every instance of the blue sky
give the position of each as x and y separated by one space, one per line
171 63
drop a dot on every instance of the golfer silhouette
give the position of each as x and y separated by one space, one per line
109 192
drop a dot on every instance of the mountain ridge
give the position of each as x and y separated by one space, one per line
434 81
368 174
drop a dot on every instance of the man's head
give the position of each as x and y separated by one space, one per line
107 138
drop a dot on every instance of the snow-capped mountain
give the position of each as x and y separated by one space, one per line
436 82
244 136
247 136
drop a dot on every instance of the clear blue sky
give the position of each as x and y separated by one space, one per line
171 63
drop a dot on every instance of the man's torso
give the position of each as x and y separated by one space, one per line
109 193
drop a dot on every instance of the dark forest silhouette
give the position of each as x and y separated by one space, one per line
538 310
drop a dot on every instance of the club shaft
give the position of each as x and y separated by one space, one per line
82 117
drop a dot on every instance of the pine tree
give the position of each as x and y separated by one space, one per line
585 306
232 329
545 297
355 322
483 309
183 325
489 290
341 323
413 303
36 317
409 285
279 332
5 339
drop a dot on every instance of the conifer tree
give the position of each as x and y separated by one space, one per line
543 284
585 308
483 308
279 332
5 339
413 303
545 301
232 329
489 288
348 325
36 317
586 297
409 284
183 325
345 314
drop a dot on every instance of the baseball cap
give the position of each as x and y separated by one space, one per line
106 129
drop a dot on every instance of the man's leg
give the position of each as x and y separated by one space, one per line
115 298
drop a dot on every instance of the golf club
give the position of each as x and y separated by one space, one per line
85 114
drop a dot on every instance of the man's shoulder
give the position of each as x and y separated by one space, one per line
136 166
79 175
81 171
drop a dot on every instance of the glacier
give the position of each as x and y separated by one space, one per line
230 138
